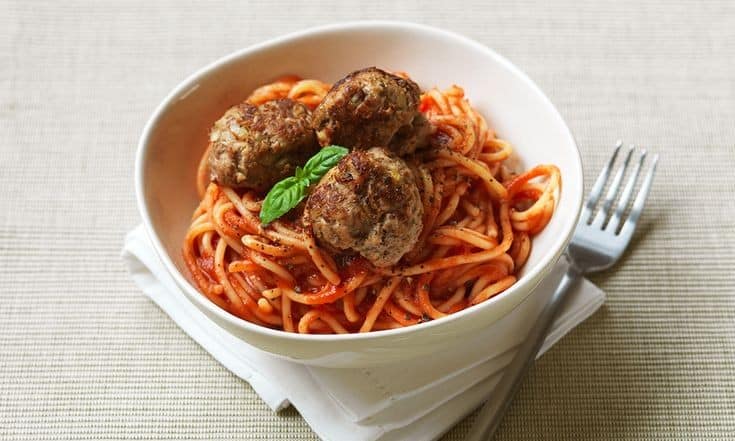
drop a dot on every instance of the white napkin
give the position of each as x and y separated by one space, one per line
416 400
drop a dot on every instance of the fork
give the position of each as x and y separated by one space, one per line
596 245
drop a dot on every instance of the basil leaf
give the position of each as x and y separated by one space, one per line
289 192
284 196
319 164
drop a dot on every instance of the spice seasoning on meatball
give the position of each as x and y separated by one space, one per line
256 146
368 108
370 204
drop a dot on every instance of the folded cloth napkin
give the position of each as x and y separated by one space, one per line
420 399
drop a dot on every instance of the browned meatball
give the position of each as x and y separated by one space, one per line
369 203
257 146
412 136
367 108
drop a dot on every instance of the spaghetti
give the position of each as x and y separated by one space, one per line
479 218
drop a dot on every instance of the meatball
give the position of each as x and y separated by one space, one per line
368 203
256 146
412 136
367 108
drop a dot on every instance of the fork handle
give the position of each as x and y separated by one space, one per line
491 414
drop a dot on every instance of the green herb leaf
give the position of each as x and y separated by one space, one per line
289 192
284 196
319 164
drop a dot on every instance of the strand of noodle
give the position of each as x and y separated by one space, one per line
204 217
270 92
271 294
315 280
439 100
251 203
478 224
371 279
423 297
308 87
286 314
236 303
465 222
471 209
480 284
240 207
399 315
385 324
452 205
480 127
220 226
492 271
505 260
241 284
198 230
491 229
480 169
457 297
275 305
405 302
317 314
520 249
240 266
201 280
502 154
265 306
493 289
271 266
534 224
553 174
283 229
298 259
327 294
348 306
469 138
432 206
377 307
206 242
534 210
250 299
309 92
446 262
257 282
453 276
436 200
321 261
468 236
284 239
253 243
360 295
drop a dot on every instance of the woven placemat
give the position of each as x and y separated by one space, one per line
84 356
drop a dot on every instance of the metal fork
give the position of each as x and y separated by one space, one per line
596 245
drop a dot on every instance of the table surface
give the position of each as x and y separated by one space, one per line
84 355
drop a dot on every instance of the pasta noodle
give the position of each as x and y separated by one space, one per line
478 224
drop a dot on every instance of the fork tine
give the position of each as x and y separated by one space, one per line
613 191
596 191
627 194
635 213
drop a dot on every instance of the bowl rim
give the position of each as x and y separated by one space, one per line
187 85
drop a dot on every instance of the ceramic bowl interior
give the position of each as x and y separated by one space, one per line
176 135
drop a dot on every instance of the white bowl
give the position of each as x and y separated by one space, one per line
176 135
